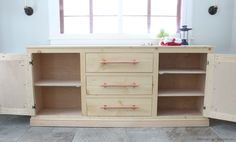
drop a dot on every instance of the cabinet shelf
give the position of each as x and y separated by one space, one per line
176 93
60 112
182 71
179 112
58 83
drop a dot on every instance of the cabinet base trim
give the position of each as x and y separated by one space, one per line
120 122
17 111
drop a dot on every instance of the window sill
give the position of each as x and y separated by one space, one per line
107 39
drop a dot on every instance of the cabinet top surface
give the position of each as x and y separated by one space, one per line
118 48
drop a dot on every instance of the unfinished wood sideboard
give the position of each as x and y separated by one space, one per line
119 86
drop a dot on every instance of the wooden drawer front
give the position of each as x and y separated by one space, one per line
101 85
119 107
119 62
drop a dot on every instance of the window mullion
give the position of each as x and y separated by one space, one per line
148 15
61 6
120 16
91 16
178 19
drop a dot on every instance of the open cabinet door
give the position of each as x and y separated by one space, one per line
15 96
220 101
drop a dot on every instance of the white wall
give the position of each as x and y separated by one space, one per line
214 30
18 30
233 40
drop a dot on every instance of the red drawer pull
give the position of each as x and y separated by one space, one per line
133 107
122 86
104 61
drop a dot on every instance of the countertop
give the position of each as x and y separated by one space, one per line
116 46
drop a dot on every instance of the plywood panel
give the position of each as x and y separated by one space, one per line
61 97
65 83
182 71
180 106
184 92
182 82
183 61
56 66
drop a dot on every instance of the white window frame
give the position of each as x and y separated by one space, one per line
55 37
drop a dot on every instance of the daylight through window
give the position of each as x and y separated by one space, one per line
119 16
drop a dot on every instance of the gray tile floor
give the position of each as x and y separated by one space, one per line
17 129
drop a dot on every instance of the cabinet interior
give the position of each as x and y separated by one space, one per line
57 83
181 83
168 106
183 61
58 100
56 66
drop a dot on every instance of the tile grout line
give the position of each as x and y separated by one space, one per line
23 134
216 134
75 131
126 134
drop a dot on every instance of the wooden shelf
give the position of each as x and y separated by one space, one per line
60 112
176 93
182 71
179 112
58 83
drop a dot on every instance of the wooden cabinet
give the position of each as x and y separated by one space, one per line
127 86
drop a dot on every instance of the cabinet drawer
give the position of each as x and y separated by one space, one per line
119 107
136 85
119 62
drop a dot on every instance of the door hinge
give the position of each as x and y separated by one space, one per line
208 62
31 62
34 107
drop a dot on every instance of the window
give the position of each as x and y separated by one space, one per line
119 16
